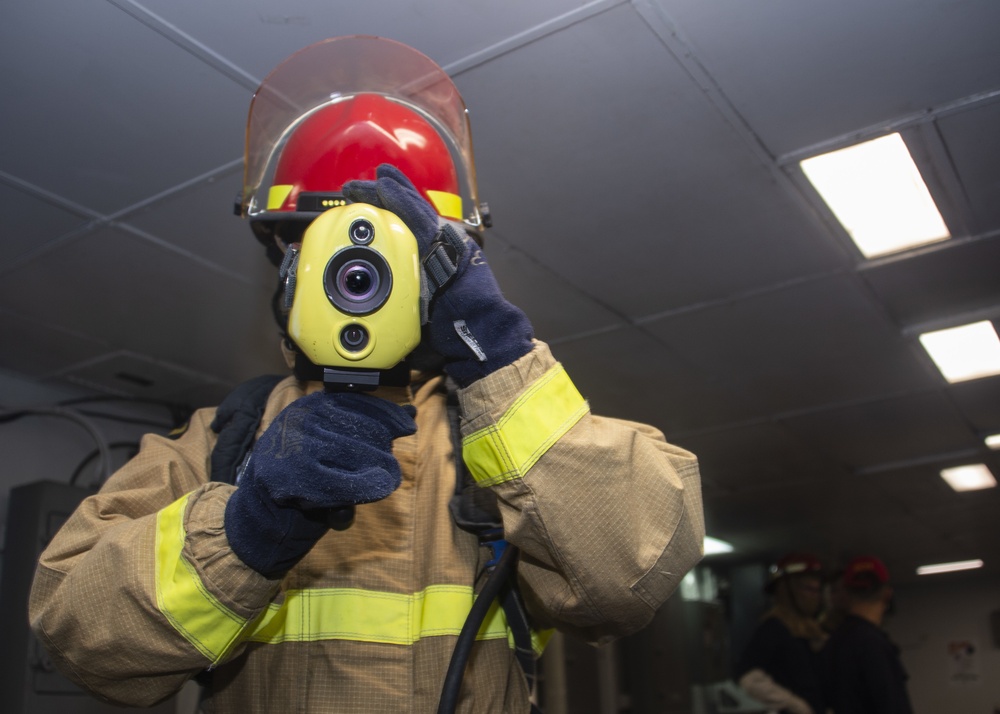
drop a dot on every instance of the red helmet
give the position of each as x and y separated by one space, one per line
347 140
865 572
793 564
336 110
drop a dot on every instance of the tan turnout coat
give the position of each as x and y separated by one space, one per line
607 514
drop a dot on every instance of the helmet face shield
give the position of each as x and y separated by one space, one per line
358 101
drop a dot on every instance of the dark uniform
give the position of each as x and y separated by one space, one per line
790 661
865 673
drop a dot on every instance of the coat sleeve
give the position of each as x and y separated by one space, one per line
139 591
607 514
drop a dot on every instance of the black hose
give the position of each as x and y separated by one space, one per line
467 637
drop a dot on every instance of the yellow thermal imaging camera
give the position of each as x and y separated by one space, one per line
352 289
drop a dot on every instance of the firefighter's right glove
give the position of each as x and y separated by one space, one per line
469 323
323 451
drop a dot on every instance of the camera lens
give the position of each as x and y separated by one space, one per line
361 232
357 280
354 338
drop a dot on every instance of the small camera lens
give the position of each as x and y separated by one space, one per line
354 338
361 232
358 280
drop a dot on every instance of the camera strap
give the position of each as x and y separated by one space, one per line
440 266
287 275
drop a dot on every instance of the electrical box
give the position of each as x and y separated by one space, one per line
29 684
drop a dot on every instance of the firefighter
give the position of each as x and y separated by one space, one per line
167 574
782 665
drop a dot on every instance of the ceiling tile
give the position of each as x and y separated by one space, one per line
750 457
30 223
887 431
979 400
200 220
801 73
32 348
627 374
102 108
819 343
681 212
137 376
973 144
129 293
557 309
949 281
257 37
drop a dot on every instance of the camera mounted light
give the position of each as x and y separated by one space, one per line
361 232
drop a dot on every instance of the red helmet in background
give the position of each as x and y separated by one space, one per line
866 572
337 109
793 564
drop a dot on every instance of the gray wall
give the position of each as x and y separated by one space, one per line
948 608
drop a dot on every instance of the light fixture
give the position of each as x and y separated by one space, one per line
993 441
949 567
965 352
714 546
969 478
876 192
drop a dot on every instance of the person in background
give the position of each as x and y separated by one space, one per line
781 665
864 671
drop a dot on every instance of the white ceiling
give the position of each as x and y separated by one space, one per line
640 159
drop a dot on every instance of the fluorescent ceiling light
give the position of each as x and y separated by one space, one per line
714 546
969 478
965 352
993 441
949 567
876 192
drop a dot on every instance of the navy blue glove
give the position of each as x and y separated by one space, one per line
470 325
322 451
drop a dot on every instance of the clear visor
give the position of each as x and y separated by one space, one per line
341 67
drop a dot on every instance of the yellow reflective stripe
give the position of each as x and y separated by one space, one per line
308 615
371 616
446 204
182 598
532 424
276 196
539 640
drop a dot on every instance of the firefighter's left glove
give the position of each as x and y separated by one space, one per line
469 323
323 451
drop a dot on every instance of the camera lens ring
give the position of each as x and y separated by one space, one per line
357 280
361 232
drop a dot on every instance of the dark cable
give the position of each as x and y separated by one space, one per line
95 453
73 415
179 413
467 637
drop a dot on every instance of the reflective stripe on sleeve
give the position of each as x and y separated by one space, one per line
534 422
211 627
